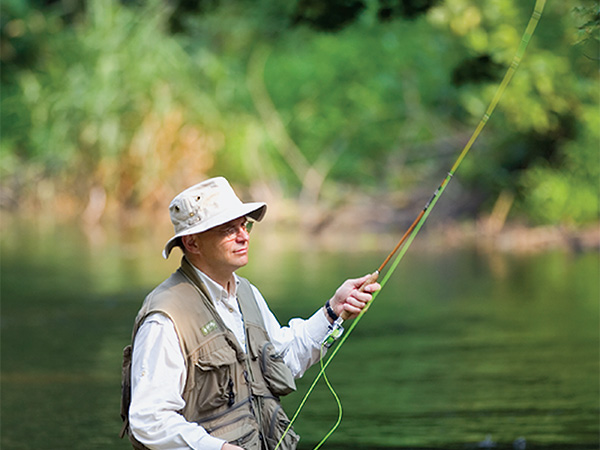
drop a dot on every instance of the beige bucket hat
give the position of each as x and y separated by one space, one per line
207 205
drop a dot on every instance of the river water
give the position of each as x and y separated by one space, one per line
462 349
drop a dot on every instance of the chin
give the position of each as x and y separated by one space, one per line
241 260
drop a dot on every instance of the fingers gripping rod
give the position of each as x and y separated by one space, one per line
336 329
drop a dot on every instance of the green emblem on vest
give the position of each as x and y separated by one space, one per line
209 327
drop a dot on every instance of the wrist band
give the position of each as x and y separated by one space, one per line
330 311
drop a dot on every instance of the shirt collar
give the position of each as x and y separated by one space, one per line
215 290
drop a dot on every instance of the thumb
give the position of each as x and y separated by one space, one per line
366 280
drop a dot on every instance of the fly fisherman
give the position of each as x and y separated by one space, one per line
209 360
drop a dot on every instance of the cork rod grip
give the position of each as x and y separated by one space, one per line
372 279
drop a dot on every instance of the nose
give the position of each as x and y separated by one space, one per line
242 233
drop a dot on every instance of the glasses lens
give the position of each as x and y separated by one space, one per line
232 230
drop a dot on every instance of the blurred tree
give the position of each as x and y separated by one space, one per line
542 113
390 9
317 98
104 106
327 16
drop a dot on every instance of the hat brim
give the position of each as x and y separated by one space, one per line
255 210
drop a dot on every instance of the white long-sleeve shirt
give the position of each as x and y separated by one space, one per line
158 372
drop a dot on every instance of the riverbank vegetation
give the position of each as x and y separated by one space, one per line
110 108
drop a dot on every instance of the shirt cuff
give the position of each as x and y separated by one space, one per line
317 326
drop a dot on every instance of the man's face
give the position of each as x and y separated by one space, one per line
225 247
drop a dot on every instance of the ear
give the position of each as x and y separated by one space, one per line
190 244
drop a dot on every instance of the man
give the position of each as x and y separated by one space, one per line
209 360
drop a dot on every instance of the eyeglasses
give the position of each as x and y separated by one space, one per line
231 230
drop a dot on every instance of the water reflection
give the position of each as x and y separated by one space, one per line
461 349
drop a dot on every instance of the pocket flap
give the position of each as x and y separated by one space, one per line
215 352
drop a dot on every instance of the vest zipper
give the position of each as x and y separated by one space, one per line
231 395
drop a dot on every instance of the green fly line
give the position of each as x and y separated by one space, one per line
414 229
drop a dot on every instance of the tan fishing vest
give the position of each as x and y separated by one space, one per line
234 395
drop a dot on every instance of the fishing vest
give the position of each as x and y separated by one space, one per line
232 394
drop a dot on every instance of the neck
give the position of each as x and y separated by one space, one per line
224 277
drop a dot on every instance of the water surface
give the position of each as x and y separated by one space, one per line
462 349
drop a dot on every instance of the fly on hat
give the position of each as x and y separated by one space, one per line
207 205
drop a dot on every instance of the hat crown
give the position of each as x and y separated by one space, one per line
202 202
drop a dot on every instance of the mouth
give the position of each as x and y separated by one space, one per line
241 251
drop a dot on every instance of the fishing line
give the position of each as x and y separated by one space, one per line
409 236
337 400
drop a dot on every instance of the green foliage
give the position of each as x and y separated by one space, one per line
132 96
568 194
546 113
106 100
363 95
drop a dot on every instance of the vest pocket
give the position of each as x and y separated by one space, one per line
277 374
213 372
241 430
249 441
275 423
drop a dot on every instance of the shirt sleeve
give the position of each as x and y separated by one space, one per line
158 375
299 341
